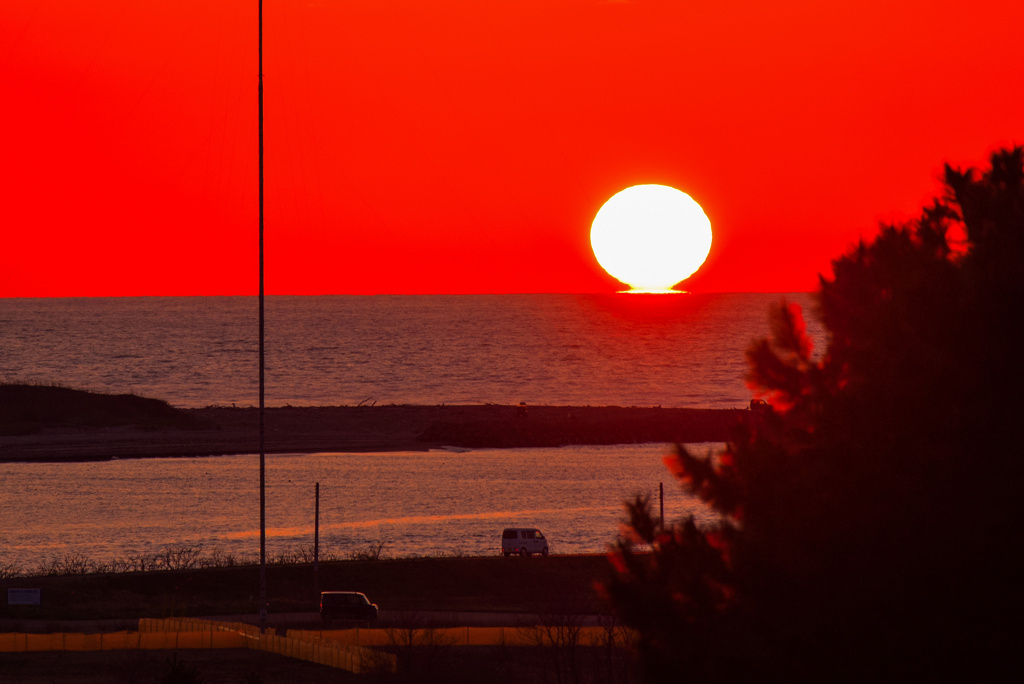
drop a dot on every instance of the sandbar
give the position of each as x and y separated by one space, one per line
231 430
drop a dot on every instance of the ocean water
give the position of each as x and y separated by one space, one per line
615 349
624 350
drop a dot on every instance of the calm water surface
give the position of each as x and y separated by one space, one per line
625 350
416 503
616 349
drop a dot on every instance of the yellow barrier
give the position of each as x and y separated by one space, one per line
44 642
82 642
11 642
346 649
120 641
202 634
296 644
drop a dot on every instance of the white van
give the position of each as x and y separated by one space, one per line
523 541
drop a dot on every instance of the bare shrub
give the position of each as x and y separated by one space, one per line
138 562
559 637
115 565
422 650
330 555
178 557
613 650
47 566
285 557
294 555
133 562
377 662
180 672
9 570
219 559
71 563
372 552
303 554
76 564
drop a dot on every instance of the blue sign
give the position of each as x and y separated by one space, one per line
24 597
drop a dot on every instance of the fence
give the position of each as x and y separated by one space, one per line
346 649
197 634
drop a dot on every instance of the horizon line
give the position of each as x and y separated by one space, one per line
404 294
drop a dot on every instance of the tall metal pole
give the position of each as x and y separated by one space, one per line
661 498
316 543
263 468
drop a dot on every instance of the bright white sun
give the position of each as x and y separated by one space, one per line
651 237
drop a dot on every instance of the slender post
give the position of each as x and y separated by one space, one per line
661 497
263 468
316 543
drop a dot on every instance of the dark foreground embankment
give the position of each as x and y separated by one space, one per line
218 430
554 584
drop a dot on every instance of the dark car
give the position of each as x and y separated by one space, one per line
346 605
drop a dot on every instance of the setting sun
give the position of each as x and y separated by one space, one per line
651 237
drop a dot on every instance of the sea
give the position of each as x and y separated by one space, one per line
682 350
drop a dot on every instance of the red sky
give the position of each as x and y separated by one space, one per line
464 147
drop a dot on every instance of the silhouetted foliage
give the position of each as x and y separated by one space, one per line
871 520
180 672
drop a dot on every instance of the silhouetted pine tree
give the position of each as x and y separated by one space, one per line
871 520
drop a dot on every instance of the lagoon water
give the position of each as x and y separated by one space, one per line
415 503
625 350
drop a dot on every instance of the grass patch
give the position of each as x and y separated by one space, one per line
491 583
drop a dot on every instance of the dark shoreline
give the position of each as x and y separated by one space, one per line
224 431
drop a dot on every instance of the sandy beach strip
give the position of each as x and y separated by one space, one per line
377 428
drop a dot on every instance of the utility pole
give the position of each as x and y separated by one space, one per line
661 498
316 543
263 468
